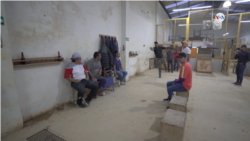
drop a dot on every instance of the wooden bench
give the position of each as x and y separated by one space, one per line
178 103
172 125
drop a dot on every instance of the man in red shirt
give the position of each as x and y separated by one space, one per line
184 83
176 61
77 74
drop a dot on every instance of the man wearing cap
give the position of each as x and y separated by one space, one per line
186 49
184 83
243 57
77 74
169 58
159 57
95 67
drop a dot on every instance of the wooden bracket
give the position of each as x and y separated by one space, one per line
100 35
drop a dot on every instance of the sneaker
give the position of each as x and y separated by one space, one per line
102 94
81 105
237 84
167 100
119 83
86 102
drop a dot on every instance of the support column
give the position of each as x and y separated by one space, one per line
10 109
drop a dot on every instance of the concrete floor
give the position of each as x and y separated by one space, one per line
217 111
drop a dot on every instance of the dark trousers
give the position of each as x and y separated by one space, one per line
176 64
239 72
170 63
161 61
172 88
80 88
101 81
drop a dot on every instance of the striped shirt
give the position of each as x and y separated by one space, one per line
186 73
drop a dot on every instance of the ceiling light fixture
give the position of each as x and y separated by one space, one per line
189 24
202 7
227 3
181 9
245 21
241 1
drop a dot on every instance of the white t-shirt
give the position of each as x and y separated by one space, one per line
186 50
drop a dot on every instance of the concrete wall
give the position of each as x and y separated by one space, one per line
11 117
245 33
40 29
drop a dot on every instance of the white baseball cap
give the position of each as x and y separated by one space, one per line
75 55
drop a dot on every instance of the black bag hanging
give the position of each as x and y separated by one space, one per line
107 58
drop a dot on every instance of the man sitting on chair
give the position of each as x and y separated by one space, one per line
184 83
77 74
95 67
119 72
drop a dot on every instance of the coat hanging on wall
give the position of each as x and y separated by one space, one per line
107 58
107 38
114 46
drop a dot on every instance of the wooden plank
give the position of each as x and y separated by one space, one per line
35 59
35 64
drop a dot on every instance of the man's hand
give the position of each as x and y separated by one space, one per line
94 79
100 73
116 76
241 63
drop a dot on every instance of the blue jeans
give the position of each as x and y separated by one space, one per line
121 75
239 72
171 88
176 63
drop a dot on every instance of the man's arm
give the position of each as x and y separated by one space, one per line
151 48
115 71
183 75
166 57
87 76
91 75
248 58
121 67
188 57
236 56
100 71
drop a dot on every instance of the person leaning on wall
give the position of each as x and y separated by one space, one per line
77 74
243 57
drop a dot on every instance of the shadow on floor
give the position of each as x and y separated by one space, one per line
157 138
157 84
153 108
156 126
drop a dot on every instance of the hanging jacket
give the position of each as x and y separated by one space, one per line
107 42
107 58
114 46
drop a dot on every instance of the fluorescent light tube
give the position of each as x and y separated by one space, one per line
245 21
201 7
226 34
241 1
181 9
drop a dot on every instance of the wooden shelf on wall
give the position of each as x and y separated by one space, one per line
37 61
133 55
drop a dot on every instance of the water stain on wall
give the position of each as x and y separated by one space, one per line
107 13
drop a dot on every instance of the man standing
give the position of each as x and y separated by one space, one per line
119 72
176 62
77 74
243 57
169 58
159 57
184 83
186 49
95 67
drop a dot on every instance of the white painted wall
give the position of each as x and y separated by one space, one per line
245 33
161 16
11 117
40 29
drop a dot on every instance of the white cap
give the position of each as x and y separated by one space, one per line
76 55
